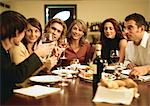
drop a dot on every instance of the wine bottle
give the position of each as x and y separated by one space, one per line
98 63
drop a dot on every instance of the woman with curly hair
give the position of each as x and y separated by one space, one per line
112 39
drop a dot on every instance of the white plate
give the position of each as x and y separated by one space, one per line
88 79
126 72
144 78
45 78
79 66
110 67
64 71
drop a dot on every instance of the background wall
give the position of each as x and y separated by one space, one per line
88 10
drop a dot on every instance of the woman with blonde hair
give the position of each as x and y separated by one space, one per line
78 48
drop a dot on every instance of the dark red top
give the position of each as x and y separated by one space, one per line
84 54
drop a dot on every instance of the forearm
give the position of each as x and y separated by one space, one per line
140 70
148 69
27 67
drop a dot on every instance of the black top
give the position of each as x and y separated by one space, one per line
108 45
11 73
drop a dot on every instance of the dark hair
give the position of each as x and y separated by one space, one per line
81 24
138 18
116 27
10 22
57 20
35 23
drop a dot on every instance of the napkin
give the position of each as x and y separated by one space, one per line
115 96
37 91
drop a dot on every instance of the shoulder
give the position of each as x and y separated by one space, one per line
130 45
123 42
87 44
148 42
18 48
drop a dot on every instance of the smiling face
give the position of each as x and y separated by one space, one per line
77 32
56 30
32 34
109 30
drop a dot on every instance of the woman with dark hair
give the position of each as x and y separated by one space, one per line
112 39
32 38
20 52
78 48
33 34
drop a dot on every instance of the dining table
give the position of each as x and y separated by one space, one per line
77 93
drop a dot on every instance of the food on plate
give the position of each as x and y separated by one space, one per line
75 61
129 83
108 76
78 67
87 73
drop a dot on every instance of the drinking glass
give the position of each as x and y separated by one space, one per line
63 44
63 75
47 38
114 56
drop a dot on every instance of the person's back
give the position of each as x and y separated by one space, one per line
33 33
12 30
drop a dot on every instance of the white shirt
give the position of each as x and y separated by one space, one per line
139 55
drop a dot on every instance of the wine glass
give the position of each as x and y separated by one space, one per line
47 38
114 56
63 44
63 74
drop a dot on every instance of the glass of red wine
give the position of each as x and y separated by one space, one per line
114 56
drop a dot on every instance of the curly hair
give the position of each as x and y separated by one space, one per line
57 20
116 27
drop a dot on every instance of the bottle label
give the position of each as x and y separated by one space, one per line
94 68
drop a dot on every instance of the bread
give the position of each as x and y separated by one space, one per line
129 83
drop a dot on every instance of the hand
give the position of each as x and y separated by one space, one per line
140 70
53 60
57 52
42 50
131 66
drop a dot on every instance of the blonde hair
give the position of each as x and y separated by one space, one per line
57 20
82 26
